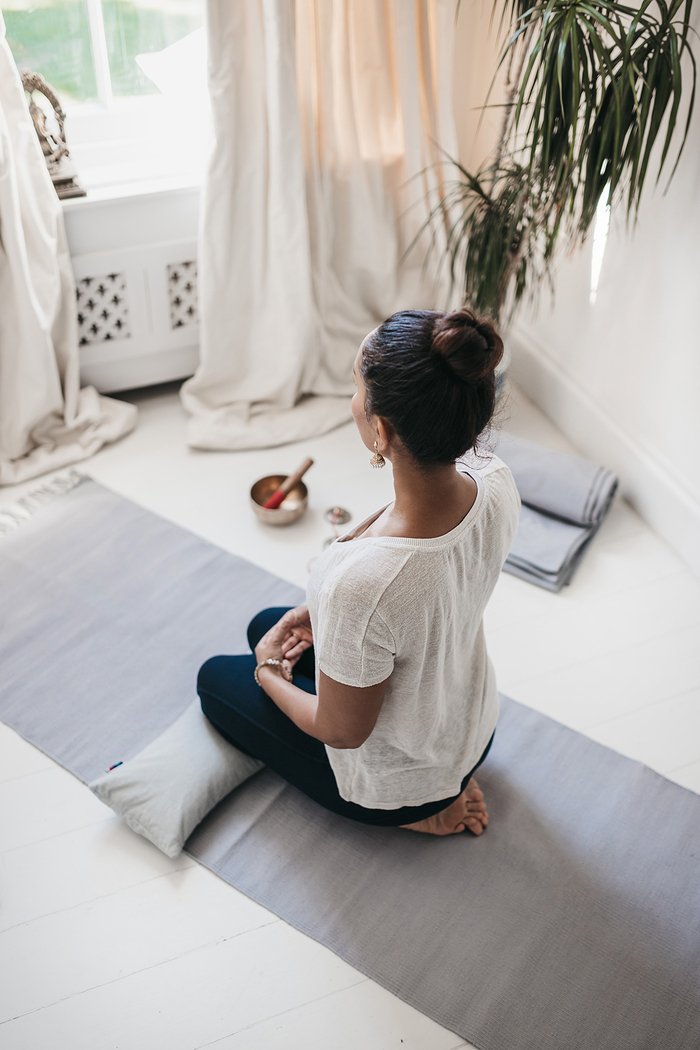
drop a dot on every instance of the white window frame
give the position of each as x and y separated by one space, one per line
119 127
100 56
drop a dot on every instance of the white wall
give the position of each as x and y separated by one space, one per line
622 377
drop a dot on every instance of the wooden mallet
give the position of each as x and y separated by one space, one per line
287 485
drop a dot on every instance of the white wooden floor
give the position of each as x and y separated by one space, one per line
107 944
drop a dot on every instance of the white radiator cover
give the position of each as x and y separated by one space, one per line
134 257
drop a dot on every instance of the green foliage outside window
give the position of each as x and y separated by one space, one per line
53 38
132 29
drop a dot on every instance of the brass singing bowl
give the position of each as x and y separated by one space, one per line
291 508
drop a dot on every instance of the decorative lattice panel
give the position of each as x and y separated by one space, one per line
182 293
103 311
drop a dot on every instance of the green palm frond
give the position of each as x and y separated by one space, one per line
593 109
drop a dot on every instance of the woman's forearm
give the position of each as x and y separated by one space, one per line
341 716
298 705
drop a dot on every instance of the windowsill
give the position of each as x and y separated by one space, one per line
135 148
137 188
125 118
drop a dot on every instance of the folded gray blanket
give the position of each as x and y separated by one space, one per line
565 499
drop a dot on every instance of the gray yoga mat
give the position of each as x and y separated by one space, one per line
572 924
565 499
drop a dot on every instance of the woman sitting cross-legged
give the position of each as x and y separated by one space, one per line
378 700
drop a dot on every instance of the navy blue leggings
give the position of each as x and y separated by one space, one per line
245 715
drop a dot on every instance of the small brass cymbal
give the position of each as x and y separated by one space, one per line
337 515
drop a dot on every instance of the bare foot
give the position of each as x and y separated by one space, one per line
467 811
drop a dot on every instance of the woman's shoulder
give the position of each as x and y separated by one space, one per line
366 563
353 581
485 463
500 506
495 476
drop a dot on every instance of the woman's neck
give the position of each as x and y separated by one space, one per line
428 503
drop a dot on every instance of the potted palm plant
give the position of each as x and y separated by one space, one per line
593 98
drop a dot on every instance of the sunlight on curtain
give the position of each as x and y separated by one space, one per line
329 121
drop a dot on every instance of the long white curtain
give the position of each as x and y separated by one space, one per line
330 122
46 420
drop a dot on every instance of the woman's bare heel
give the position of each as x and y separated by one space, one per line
466 813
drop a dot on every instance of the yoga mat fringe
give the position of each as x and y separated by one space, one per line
25 508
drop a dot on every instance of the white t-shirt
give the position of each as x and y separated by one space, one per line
410 610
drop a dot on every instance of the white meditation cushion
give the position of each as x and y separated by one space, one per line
168 788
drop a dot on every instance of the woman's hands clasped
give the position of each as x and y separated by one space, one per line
341 716
287 640
298 634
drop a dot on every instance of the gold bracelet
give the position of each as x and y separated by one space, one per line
269 663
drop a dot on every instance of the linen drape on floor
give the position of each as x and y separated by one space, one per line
46 420
330 118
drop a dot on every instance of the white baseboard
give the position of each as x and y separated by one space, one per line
650 483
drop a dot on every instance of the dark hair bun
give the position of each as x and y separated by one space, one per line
432 377
468 344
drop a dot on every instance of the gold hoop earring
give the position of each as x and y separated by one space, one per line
377 459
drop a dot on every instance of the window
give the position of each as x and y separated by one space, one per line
131 76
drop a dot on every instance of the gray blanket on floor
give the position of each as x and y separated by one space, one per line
565 499
572 924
